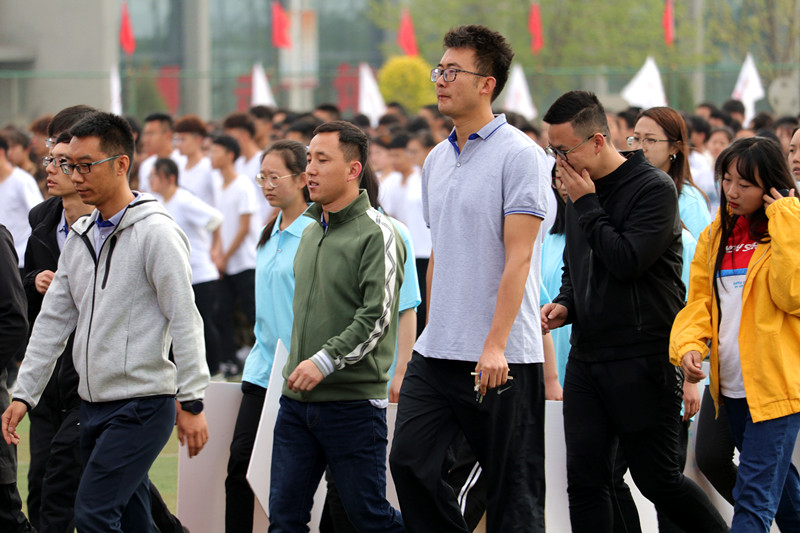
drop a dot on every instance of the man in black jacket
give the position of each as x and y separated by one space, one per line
621 290
13 335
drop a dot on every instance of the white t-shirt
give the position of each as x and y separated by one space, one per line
250 168
201 180
197 219
404 202
18 194
235 200
732 276
147 167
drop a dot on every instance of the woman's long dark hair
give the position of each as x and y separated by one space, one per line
293 154
558 227
755 158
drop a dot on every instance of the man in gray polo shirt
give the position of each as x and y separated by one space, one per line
484 196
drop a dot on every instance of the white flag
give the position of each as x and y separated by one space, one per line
370 101
261 93
518 96
645 89
748 88
116 90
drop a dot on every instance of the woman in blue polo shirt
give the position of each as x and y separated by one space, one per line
283 182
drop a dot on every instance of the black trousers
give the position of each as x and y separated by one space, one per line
236 289
239 497
205 298
55 469
714 447
505 430
422 309
635 402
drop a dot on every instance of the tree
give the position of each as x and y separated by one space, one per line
406 79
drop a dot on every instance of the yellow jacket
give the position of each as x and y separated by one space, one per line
769 333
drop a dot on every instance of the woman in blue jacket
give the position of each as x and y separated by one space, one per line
283 182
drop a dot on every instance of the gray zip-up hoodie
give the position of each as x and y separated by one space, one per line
126 304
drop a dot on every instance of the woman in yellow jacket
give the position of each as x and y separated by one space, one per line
744 301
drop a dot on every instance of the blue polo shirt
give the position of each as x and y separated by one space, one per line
274 294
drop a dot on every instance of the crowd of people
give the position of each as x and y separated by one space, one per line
465 264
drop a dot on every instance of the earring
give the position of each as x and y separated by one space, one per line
672 157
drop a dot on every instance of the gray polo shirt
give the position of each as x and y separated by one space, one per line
466 196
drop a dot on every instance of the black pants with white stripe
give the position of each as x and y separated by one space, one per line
466 477
505 430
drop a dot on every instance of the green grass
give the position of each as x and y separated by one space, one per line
164 473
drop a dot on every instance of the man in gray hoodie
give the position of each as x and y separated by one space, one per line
124 285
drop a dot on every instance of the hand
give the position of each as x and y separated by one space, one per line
43 280
11 419
577 184
691 400
221 263
553 316
491 370
553 390
775 195
394 388
192 431
305 377
692 366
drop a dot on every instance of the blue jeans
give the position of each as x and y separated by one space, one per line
767 484
120 440
349 437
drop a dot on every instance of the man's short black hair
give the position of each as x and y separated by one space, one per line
68 117
733 106
696 123
581 109
493 54
113 131
230 144
786 122
166 167
724 116
240 121
191 124
353 142
262 112
163 118
332 109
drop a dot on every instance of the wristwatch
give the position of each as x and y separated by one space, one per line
193 406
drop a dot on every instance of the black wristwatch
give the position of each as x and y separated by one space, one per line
193 406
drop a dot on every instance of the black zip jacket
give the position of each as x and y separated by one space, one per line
622 264
42 254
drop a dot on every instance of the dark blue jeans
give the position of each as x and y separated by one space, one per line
119 442
767 484
350 438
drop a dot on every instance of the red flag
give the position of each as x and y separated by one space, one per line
126 37
668 23
535 28
280 27
405 35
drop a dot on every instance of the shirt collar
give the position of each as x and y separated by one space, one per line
484 133
295 228
114 220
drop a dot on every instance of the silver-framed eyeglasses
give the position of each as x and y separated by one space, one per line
57 161
83 168
50 142
270 179
449 74
645 141
554 152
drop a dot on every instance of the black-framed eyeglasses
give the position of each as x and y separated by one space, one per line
57 161
633 140
270 179
83 168
555 152
449 74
